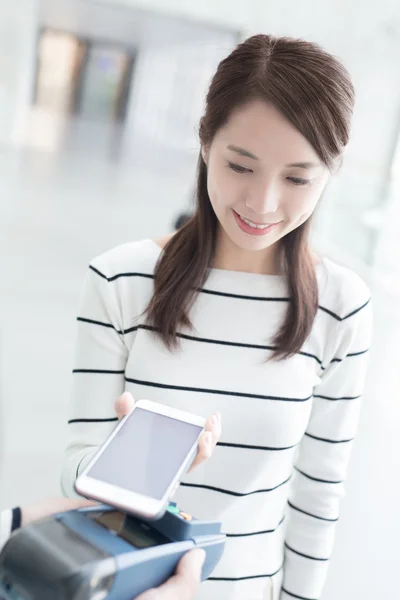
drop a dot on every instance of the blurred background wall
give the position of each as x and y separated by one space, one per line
99 106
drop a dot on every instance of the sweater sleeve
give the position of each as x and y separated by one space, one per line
5 526
10 520
98 375
321 464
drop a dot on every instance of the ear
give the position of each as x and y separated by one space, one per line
204 154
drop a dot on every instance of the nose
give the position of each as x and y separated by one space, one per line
264 200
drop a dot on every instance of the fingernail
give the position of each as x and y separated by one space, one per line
208 438
213 420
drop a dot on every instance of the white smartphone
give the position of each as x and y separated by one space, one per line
139 465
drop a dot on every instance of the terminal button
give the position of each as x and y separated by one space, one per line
185 516
173 509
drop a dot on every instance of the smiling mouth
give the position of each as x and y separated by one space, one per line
254 224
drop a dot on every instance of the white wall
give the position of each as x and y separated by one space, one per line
168 91
17 42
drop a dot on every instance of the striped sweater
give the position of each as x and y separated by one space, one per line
276 477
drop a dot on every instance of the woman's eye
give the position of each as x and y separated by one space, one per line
298 181
238 168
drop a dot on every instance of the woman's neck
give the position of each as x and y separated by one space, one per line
228 256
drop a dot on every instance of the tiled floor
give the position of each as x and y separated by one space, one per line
57 210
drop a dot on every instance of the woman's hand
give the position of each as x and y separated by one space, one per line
208 439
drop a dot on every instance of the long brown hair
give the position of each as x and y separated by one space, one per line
313 90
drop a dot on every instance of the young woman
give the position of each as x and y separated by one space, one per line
235 313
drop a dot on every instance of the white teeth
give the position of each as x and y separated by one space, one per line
254 224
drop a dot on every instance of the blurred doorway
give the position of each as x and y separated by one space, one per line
82 77
106 83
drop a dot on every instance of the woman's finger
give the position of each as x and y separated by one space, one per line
208 440
124 404
214 426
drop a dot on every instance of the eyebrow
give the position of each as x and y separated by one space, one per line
304 165
244 152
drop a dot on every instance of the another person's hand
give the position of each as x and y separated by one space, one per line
184 584
207 442
50 506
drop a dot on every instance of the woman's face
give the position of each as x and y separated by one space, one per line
264 177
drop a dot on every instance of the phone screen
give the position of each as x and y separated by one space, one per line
146 453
